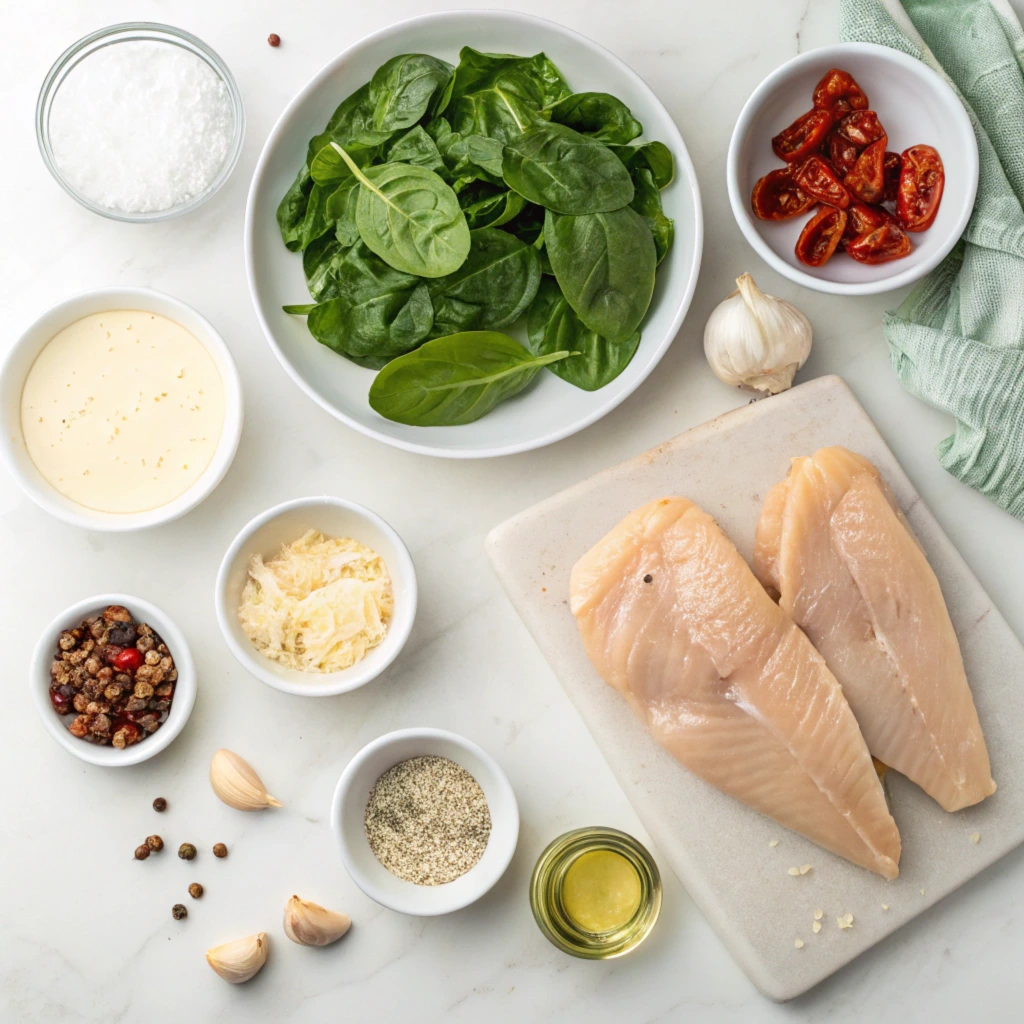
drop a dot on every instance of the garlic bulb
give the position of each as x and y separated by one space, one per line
235 782
238 961
309 924
755 340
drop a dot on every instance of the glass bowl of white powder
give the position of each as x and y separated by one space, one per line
140 122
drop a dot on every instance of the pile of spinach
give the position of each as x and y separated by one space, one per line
440 204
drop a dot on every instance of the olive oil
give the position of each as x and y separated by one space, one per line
596 893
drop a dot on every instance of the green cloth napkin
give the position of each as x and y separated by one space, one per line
958 340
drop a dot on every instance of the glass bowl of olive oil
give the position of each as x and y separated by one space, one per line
596 893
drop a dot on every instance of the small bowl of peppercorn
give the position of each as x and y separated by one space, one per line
113 680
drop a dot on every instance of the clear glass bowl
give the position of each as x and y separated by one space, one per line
547 903
130 32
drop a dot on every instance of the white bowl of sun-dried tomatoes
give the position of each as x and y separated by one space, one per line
853 169
113 680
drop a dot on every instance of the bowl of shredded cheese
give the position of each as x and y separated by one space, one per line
316 596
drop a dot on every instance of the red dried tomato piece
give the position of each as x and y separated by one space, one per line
861 127
863 218
891 168
816 177
885 243
841 153
777 196
920 189
866 181
803 136
839 91
821 236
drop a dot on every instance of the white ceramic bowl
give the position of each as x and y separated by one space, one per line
369 874
914 104
184 688
23 354
265 535
550 409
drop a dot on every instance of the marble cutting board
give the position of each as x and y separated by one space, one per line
719 848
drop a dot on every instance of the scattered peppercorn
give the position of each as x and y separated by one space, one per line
186 851
220 850
648 578
141 852
178 911
274 39
159 804
195 890
155 843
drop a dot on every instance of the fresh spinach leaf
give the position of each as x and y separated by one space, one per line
319 263
604 264
410 218
491 289
655 156
417 147
468 158
528 225
291 211
316 221
407 88
455 380
341 211
500 95
597 115
552 326
647 202
489 206
561 170
351 126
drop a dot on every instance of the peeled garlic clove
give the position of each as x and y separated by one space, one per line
309 924
235 782
238 961
755 340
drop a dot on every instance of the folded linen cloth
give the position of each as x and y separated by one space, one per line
957 341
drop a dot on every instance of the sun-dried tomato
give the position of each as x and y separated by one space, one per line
920 189
885 243
862 218
821 236
866 181
803 136
777 196
816 177
842 153
861 127
891 169
839 91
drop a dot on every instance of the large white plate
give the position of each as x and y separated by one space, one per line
717 846
550 408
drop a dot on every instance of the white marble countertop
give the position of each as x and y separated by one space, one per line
87 934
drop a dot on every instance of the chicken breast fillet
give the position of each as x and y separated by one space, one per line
834 545
673 618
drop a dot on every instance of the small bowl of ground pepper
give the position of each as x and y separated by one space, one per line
113 680
427 821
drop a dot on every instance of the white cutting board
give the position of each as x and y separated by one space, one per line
718 847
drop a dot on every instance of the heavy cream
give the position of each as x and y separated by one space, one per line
122 411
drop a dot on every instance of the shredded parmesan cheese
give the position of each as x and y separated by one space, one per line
319 605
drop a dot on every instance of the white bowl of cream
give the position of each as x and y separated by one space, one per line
120 409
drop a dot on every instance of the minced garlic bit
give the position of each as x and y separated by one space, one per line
885 906
923 892
845 921
816 927
794 871
319 605
819 914
804 868
774 843
975 837
798 943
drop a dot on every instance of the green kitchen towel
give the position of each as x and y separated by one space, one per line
958 340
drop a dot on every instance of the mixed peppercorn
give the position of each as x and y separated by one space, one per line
117 675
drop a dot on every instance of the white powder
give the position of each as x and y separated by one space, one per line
141 126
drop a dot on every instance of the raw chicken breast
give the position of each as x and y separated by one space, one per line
834 545
672 617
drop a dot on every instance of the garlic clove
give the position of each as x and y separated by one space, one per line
238 961
309 924
235 782
755 340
